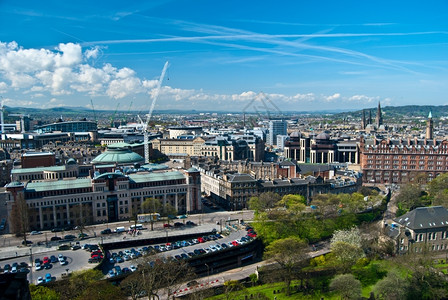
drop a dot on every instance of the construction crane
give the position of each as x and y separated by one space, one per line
93 109
151 109
22 120
113 116
2 119
125 117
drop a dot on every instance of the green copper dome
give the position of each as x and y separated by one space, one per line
118 156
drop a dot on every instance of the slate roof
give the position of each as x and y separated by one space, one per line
425 218
148 177
241 178
58 185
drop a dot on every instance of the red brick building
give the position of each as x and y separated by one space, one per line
38 159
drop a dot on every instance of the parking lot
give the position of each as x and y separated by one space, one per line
75 260
128 259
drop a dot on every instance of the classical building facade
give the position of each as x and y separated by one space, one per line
191 147
321 149
57 197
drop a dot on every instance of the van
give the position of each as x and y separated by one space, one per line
120 229
138 227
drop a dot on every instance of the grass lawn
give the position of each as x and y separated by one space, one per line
268 291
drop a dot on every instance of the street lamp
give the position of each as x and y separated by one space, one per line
208 269
31 263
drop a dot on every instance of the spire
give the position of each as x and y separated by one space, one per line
379 117
429 127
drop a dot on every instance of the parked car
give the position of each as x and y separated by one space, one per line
38 266
53 259
106 231
178 224
133 268
27 242
47 277
40 280
69 237
56 229
55 238
76 247
34 232
166 225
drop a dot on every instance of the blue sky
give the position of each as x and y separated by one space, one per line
301 55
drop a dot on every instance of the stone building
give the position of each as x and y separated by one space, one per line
423 227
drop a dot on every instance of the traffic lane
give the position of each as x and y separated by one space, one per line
94 230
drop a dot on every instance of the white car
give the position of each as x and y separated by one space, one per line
40 280
35 232
133 268
39 266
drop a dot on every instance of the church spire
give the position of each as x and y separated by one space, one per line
379 117
429 127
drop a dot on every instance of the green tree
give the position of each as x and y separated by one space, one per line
392 287
291 254
151 206
293 202
19 218
264 201
101 290
410 196
347 286
43 293
347 247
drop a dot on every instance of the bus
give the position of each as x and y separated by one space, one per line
145 218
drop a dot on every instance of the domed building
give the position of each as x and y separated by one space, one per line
119 157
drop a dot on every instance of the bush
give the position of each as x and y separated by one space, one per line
369 274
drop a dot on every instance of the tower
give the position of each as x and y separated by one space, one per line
369 121
363 120
379 117
429 127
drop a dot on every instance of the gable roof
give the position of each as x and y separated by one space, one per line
425 218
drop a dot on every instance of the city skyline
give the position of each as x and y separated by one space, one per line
301 56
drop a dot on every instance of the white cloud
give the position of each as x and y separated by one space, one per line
333 97
3 87
71 55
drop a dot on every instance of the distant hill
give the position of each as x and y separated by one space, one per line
388 111
402 111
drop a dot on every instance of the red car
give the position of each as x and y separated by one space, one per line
46 260
166 225
235 243
200 240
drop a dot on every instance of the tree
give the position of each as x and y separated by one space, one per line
151 206
264 201
392 287
346 246
410 196
43 293
347 286
82 216
101 290
291 255
231 287
149 280
19 217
